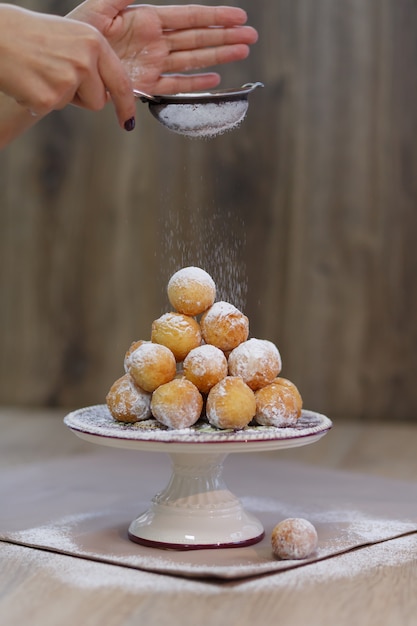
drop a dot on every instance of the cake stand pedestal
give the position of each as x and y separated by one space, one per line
196 510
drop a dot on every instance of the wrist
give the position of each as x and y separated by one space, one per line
14 120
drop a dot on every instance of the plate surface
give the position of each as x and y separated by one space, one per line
95 424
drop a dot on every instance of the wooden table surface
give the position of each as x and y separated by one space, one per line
38 587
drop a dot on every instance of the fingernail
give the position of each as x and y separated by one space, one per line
129 124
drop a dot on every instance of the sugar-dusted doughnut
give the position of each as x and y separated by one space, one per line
130 350
178 332
288 384
224 326
127 402
205 366
177 404
191 290
230 404
257 361
151 365
278 404
294 538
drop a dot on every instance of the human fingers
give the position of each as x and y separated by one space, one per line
197 16
91 93
103 74
192 39
118 85
206 57
184 83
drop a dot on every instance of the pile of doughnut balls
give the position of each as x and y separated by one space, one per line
199 361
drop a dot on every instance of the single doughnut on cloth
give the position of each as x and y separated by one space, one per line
294 538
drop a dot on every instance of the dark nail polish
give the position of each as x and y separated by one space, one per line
129 124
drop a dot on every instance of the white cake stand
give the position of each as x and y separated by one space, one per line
196 510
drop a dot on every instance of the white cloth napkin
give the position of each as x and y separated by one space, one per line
83 506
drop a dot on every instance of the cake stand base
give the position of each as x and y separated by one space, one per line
196 510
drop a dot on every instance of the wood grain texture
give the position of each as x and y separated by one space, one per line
305 216
48 589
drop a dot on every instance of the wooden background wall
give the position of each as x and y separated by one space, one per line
306 216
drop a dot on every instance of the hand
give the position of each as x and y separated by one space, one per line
47 62
156 42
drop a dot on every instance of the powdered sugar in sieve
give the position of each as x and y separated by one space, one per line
201 119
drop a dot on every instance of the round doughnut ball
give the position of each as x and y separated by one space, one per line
127 402
191 290
178 332
177 404
288 384
230 404
278 404
151 365
130 350
257 361
224 326
205 366
294 538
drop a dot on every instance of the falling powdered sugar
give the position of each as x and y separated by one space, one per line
208 237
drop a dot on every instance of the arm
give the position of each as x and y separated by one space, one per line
47 62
